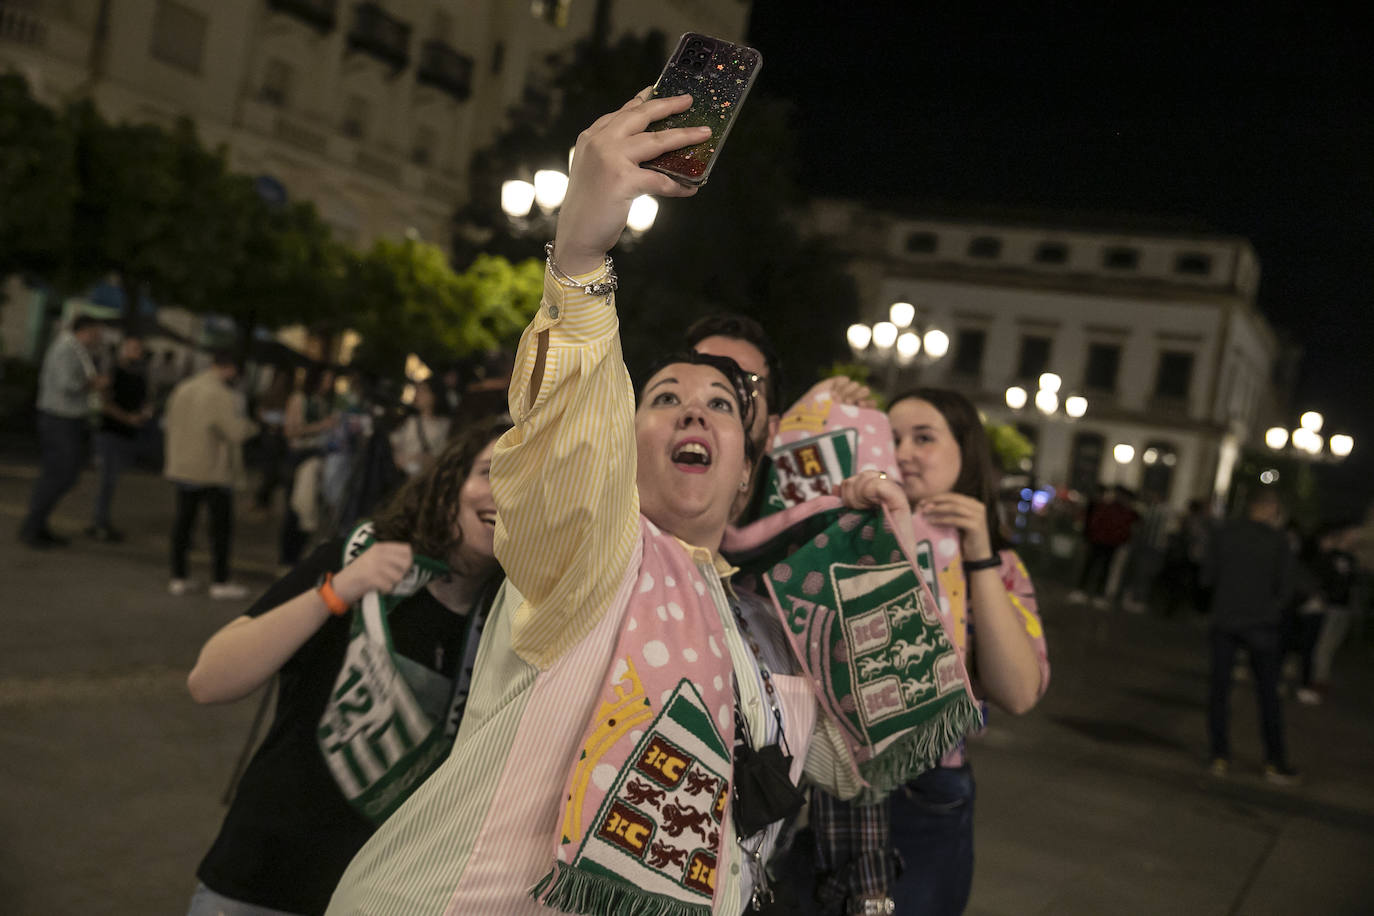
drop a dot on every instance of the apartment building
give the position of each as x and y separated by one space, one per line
1157 330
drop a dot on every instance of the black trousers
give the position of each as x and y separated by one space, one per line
62 443
220 501
1097 568
1262 645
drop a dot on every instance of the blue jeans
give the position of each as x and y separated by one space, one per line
62 443
205 902
116 453
932 831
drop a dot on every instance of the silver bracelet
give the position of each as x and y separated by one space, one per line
603 284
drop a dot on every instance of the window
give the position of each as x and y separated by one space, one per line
922 243
1103 362
1052 253
178 36
985 246
1119 258
498 57
354 123
1085 461
1175 375
1159 459
554 12
1035 357
422 152
968 352
1193 262
276 83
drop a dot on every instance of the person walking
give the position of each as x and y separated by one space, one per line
1337 569
1149 542
124 412
1250 570
65 383
424 433
1107 527
206 429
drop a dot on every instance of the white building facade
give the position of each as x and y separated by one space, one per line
1159 332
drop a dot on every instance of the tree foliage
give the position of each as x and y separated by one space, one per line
404 298
736 246
38 185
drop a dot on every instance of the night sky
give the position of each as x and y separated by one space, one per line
1238 120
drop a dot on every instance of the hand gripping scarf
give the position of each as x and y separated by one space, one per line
872 614
389 721
644 815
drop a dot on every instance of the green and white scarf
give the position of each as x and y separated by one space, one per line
389 721
870 635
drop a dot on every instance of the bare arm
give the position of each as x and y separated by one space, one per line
247 651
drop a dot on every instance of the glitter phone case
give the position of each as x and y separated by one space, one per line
717 74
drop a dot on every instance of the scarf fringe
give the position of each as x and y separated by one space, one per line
573 890
919 749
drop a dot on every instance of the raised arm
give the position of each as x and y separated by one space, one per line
564 477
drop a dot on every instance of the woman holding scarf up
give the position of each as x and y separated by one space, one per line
374 640
948 477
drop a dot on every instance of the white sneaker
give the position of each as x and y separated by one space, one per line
1101 603
228 591
1309 697
180 586
1078 597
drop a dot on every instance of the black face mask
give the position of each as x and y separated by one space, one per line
762 787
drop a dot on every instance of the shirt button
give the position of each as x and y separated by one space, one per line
734 868
553 311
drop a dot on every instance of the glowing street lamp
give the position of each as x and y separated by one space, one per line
884 335
1342 445
859 336
517 197
908 345
936 343
901 314
1276 437
1123 453
1311 420
550 187
643 212
1016 397
1046 401
1075 406
1050 382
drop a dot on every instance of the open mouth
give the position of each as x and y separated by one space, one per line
692 455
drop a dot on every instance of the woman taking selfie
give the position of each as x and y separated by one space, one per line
620 676
948 477
374 638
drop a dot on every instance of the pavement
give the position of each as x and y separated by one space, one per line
1096 802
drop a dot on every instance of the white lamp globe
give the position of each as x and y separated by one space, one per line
908 345
1123 453
643 212
1075 405
859 336
516 198
1311 420
901 314
1276 437
550 187
884 335
1342 445
1050 382
1016 397
1047 402
937 343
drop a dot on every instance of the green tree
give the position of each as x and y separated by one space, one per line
157 209
38 183
736 246
403 298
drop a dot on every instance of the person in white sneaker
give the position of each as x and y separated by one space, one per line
375 638
205 429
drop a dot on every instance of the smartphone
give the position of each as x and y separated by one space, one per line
717 74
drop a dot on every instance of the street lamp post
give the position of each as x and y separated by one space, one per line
897 343
519 199
1305 442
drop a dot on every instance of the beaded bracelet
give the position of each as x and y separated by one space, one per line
603 284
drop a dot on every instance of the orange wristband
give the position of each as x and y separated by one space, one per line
337 606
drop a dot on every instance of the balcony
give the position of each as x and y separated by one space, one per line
320 15
445 69
381 35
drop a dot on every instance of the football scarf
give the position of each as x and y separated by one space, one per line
390 721
641 826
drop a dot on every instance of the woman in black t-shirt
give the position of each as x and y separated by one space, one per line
373 673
